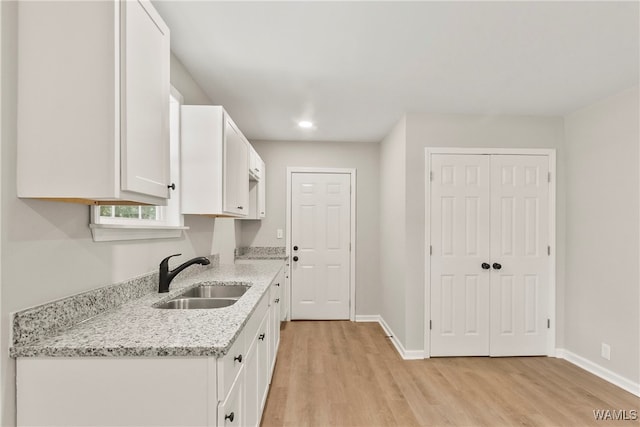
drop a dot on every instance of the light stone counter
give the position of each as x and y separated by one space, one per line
137 329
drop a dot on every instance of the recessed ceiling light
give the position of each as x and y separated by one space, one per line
305 124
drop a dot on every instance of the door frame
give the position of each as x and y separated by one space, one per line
551 308
352 237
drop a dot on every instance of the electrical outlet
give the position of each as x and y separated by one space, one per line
279 233
606 351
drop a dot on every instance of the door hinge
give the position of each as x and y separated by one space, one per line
549 250
430 176
430 250
430 324
548 176
548 323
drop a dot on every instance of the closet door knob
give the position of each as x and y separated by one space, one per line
496 266
485 266
295 258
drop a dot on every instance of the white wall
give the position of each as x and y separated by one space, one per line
47 250
602 280
184 83
361 156
393 230
441 130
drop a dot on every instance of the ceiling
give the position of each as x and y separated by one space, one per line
354 68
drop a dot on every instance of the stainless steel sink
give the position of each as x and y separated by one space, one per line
216 291
197 303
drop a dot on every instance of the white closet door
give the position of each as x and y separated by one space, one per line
519 258
460 245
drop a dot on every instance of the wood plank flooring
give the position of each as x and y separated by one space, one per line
339 373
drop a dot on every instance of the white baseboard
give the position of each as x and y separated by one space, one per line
561 353
599 371
404 353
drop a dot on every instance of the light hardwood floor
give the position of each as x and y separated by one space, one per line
338 373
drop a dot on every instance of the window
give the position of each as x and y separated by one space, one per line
132 222
131 214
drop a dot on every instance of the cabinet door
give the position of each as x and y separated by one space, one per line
251 398
262 348
262 191
230 412
236 166
274 318
144 104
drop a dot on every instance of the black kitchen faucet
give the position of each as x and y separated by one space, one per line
167 276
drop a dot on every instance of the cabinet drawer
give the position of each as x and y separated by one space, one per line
229 366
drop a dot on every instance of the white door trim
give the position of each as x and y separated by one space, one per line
551 153
352 237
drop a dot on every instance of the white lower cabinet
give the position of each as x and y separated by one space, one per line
151 391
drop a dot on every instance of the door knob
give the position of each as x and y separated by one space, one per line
295 258
485 266
497 266
295 248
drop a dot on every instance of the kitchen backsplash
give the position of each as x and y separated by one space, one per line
261 252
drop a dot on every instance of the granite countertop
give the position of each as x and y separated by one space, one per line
138 329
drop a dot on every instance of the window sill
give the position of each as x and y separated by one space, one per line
115 232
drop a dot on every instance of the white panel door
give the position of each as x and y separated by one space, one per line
320 241
460 246
519 258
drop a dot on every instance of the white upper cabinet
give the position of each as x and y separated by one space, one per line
257 186
93 102
262 192
235 186
256 165
215 163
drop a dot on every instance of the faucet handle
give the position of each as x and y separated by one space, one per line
166 260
